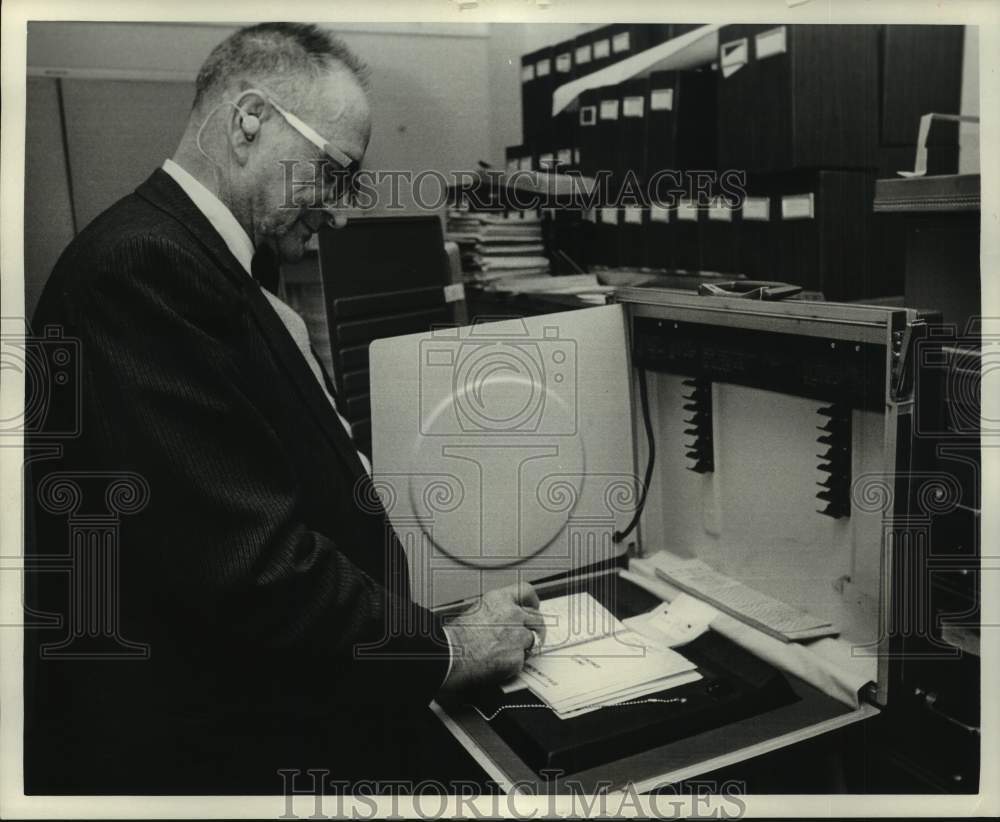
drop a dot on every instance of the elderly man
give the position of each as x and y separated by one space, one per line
261 576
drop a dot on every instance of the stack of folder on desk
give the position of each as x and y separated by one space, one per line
590 660
495 246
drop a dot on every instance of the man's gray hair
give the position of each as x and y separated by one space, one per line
275 54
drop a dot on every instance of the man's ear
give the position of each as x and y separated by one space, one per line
248 112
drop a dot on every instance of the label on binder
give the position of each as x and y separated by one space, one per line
659 214
588 115
798 207
771 42
583 54
609 216
590 215
543 67
527 73
757 208
545 161
687 210
565 156
720 210
576 156
661 99
633 215
513 164
527 164
564 63
454 292
602 48
633 106
620 42
609 109
733 56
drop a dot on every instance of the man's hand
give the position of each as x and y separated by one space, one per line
490 641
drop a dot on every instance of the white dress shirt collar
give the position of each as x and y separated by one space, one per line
221 218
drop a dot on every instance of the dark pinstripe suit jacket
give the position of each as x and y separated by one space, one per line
260 561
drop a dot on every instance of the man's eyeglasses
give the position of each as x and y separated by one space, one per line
340 180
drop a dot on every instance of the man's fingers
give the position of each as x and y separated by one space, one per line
525 596
535 621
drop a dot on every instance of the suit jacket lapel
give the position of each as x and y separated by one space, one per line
162 191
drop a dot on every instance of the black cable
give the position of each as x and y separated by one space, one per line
644 399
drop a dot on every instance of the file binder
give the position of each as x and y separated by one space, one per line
632 236
659 240
608 134
600 43
583 55
689 218
681 129
757 245
631 142
565 125
537 85
587 136
608 223
821 232
921 73
736 126
798 96
721 236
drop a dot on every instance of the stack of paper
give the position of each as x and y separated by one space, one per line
495 245
590 660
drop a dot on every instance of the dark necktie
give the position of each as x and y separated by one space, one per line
265 268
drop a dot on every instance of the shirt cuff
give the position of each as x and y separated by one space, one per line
451 655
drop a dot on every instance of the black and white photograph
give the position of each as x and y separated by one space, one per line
501 409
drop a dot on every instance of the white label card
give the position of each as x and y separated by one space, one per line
583 54
590 215
687 210
527 73
798 207
721 210
565 155
620 42
609 109
588 115
609 216
564 63
771 42
543 67
757 209
659 214
733 56
661 99
633 106
454 292
602 48
633 215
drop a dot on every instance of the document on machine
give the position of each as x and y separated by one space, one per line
766 613
590 659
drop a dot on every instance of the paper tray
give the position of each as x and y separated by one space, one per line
810 714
